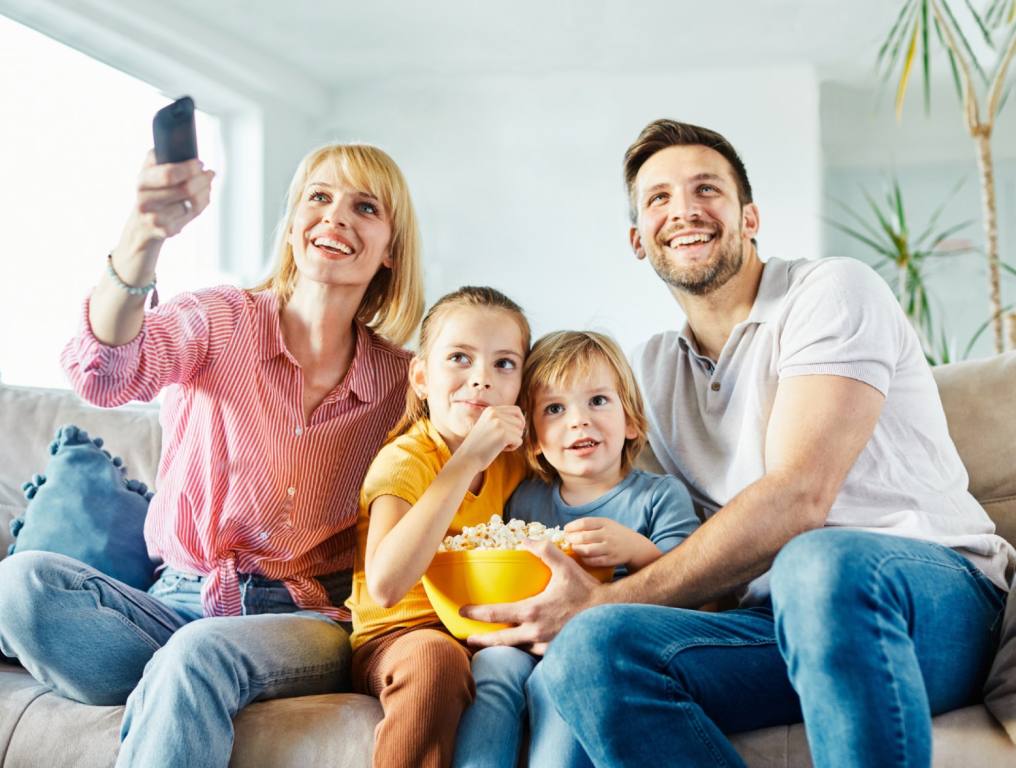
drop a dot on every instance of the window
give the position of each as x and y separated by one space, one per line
73 138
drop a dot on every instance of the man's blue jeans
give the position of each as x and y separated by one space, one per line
93 639
868 636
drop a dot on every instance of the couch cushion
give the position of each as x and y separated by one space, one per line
961 739
18 690
338 730
306 732
980 405
30 416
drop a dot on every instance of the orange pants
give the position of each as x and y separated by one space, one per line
421 675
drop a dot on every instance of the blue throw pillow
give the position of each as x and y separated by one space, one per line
85 507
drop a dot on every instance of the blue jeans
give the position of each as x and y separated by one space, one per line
183 677
868 636
509 683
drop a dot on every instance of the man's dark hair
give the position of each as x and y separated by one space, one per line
661 134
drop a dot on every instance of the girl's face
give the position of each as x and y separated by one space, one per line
339 235
581 428
475 360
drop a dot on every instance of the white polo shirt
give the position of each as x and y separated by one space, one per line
708 418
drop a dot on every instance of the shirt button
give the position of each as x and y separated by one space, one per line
291 491
263 535
299 431
715 386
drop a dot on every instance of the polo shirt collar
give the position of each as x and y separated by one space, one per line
772 289
361 379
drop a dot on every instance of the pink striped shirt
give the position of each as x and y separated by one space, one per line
244 484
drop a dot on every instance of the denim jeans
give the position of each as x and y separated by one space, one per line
867 637
183 677
510 685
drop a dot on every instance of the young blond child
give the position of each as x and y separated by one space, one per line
586 426
451 462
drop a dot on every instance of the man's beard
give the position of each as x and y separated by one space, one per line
699 279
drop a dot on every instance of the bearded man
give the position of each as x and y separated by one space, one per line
797 405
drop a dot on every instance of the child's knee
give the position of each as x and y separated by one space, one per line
502 664
432 660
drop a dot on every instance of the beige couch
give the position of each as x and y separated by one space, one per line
38 728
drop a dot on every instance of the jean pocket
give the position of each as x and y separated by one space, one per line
173 582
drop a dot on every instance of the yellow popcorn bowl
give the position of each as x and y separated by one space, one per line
483 576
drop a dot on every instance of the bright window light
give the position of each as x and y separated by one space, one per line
74 135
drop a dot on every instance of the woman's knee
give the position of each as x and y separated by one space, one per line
195 650
29 581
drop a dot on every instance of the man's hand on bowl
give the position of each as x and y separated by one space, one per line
538 619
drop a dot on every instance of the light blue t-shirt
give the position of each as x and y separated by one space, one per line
657 506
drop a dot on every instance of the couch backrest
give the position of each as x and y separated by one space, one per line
979 397
980 404
29 419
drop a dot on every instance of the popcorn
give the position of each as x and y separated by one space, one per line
496 534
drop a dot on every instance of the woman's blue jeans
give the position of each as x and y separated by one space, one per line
183 678
868 636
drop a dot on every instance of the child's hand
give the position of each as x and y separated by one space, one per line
498 429
600 541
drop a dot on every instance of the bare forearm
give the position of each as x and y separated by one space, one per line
168 197
734 546
643 553
406 551
116 316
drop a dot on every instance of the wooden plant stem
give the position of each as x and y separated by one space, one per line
981 131
984 161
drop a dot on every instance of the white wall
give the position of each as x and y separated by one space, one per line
517 180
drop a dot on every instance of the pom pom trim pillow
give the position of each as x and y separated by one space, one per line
85 507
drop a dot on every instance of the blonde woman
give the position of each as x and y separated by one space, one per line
277 400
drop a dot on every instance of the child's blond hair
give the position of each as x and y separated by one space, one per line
466 296
560 360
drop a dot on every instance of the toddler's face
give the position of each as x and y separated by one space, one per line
474 361
581 428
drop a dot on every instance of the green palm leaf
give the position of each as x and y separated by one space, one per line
980 24
981 329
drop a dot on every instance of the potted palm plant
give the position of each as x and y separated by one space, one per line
981 82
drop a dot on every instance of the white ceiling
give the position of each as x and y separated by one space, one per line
332 42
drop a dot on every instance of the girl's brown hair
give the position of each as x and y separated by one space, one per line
466 296
560 360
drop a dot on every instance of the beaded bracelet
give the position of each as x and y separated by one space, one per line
133 290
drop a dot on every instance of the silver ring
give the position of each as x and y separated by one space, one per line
187 207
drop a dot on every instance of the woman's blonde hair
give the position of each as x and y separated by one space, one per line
561 360
393 302
466 296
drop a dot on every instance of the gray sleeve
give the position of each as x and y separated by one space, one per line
844 321
672 516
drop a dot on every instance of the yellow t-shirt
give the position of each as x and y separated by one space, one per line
405 468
